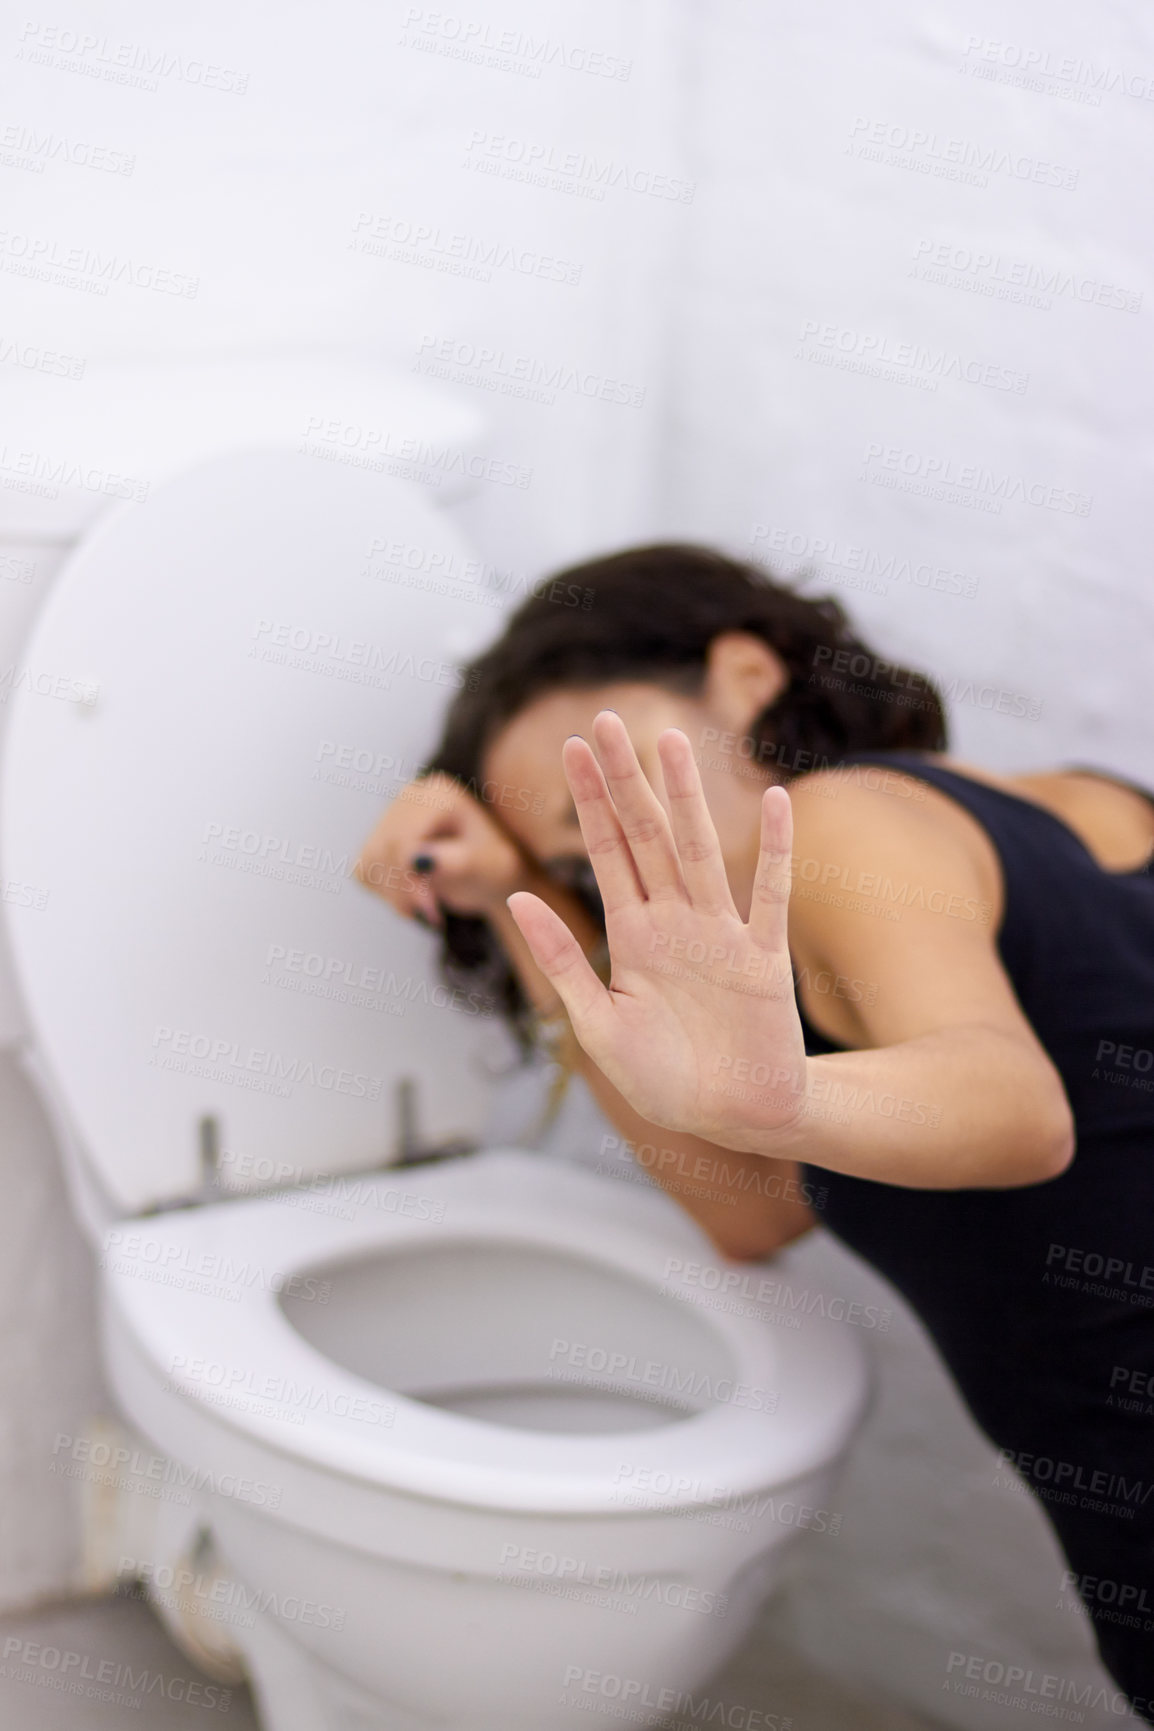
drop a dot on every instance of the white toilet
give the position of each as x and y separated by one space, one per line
475 1444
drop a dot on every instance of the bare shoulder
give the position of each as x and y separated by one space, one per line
875 849
897 888
869 806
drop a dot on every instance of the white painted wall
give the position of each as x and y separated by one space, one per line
747 319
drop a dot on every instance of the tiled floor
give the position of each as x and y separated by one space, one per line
38 1693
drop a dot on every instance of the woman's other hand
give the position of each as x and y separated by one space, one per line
438 847
699 1029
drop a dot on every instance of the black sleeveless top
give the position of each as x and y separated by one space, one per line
1041 1299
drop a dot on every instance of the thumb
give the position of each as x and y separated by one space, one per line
566 967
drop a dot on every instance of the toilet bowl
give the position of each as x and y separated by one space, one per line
476 1416
456 1444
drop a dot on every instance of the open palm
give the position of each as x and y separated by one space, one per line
698 1028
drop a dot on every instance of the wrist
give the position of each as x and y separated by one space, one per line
775 1120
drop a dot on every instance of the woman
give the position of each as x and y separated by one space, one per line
948 1024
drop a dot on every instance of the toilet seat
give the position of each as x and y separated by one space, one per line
223 1351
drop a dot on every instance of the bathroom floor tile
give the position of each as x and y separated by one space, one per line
123 1636
765 1675
150 1685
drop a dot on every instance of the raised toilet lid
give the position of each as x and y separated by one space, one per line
224 689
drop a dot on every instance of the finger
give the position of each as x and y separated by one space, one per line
640 813
382 869
769 908
694 835
563 963
609 854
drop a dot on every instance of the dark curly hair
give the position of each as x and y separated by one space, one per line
650 614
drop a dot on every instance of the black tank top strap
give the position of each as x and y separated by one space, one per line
1008 817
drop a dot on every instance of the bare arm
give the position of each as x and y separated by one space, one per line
948 1086
747 1204
750 1205
700 1030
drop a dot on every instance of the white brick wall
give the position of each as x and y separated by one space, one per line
793 336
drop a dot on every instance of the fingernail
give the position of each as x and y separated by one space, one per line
423 862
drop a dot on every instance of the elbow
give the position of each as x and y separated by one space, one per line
1059 1144
1050 1153
1059 1156
753 1242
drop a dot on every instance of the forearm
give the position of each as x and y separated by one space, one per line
748 1203
967 1107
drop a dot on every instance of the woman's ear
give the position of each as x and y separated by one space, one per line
743 676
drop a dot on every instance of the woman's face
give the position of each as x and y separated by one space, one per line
527 786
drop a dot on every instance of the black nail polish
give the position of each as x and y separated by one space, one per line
423 863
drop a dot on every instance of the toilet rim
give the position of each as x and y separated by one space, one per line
380 1437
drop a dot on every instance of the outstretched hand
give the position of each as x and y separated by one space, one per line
698 1028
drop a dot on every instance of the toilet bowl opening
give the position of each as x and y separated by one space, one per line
522 1337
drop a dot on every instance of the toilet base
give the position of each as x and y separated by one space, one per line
294 1692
